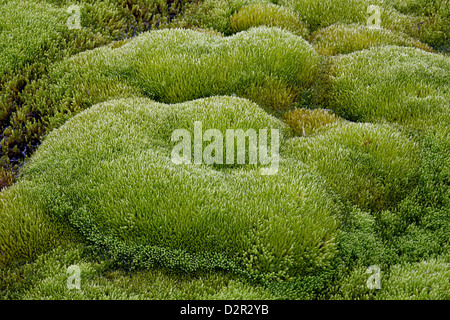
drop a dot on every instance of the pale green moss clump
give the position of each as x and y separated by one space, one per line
323 13
373 166
394 84
271 15
46 278
425 280
103 190
433 26
178 65
214 14
25 229
109 173
343 39
44 25
36 32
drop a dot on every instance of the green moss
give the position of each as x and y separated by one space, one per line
213 14
47 276
30 42
393 84
343 39
246 58
143 66
275 95
305 122
426 280
271 15
373 166
412 266
434 23
190 71
321 14
109 173
102 193
37 37
25 229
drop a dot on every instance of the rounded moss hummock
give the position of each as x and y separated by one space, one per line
389 84
308 121
109 172
323 13
271 15
374 166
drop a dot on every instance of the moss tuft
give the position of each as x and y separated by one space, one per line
343 39
271 15
306 121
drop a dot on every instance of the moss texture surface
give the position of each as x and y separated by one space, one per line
87 144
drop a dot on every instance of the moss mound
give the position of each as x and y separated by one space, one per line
144 67
120 189
321 14
34 35
179 65
271 15
306 121
27 230
109 173
393 84
372 166
343 39
47 276
434 25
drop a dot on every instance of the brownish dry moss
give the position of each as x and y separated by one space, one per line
306 121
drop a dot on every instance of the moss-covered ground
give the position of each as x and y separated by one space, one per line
87 170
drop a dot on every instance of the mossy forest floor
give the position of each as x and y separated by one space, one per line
358 91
